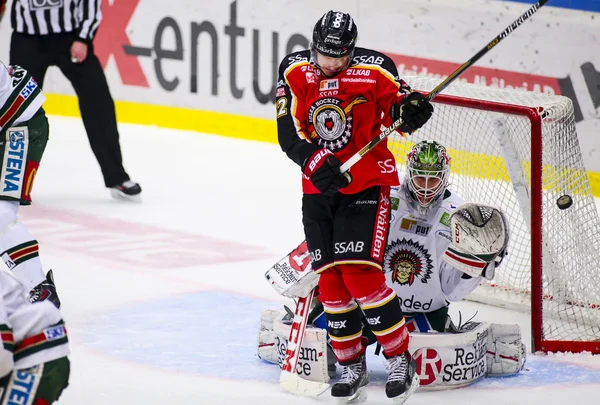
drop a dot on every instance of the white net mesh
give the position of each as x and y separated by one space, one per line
491 164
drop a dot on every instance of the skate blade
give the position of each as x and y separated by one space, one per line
117 195
358 398
400 399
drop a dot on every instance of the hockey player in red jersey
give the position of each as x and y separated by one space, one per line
331 101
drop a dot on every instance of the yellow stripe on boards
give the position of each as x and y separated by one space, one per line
265 130
229 125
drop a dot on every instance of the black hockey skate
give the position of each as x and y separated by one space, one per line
128 190
402 378
46 290
350 388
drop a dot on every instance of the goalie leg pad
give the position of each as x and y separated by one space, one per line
450 360
506 352
272 346
267 349
461 357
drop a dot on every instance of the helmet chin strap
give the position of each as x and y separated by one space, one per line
313 60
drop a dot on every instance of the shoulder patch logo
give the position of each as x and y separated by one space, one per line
445 219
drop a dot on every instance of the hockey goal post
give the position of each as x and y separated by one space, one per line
519 151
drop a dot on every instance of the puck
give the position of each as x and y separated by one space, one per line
564 202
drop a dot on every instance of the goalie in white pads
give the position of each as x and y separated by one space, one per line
439 250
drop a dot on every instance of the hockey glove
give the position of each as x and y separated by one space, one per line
414 110
323 169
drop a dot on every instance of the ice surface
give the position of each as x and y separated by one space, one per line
162 299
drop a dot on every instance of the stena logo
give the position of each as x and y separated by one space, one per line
337 22
14 163
24 385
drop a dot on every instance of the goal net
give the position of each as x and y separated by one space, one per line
519 151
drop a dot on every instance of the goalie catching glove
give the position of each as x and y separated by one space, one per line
479 239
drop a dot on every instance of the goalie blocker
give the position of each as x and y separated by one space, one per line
444 360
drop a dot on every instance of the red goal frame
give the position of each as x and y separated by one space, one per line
539 343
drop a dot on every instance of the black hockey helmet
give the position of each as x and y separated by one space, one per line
335 34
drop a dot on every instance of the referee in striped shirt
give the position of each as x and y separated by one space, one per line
60 33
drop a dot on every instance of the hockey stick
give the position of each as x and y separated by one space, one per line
289 378
386 132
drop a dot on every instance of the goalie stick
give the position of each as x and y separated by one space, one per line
289 378
388 131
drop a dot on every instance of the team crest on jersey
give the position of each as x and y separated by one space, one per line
330 122
408 261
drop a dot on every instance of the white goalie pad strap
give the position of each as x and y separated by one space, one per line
506 352
272 345
267 341
292 276
479 237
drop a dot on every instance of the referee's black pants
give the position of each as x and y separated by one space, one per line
36 53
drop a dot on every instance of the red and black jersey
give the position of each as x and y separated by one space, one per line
342 114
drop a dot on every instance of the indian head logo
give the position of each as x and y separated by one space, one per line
407 261
330 122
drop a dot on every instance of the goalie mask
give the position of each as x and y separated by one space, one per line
428 167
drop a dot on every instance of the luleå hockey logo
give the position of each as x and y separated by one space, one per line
429 365
330 121
300 258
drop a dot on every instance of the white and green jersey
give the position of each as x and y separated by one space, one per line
413 262
20 96
32 333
